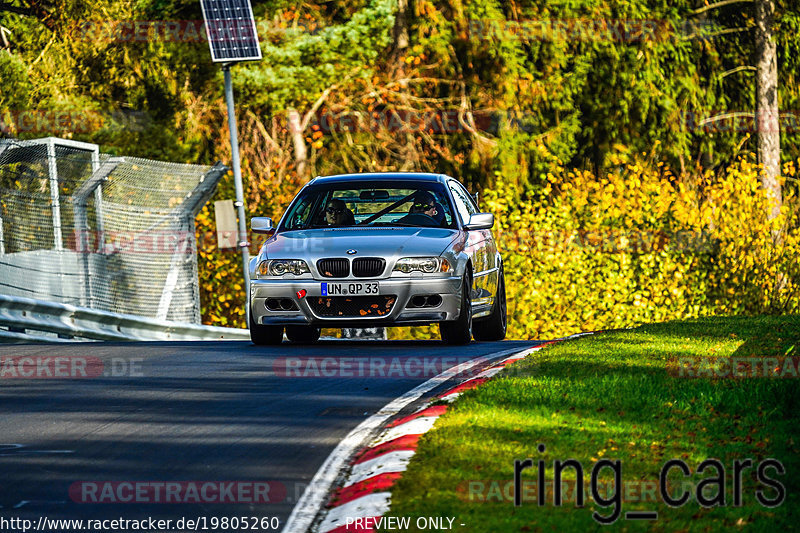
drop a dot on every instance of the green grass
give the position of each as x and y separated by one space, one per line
611 396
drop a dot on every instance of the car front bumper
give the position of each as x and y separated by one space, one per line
403 289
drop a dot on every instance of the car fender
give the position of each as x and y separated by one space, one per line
252 266
457 255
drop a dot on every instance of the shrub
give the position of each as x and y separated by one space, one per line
640 245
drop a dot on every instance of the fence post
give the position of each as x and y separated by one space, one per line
2 238
55 202
3 148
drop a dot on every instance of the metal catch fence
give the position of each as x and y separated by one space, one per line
109 233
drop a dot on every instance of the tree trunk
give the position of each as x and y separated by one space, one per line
401 38
767 113
300 150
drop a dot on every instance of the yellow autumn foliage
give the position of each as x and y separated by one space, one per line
639 245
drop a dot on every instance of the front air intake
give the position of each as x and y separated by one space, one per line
352 306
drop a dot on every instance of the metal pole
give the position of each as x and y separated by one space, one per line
237 179
55 203
2 240
98 204
3 148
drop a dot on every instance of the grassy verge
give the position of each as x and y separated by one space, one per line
618 396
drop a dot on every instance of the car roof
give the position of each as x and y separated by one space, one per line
380 176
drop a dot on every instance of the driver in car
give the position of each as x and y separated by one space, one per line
337 213
424 203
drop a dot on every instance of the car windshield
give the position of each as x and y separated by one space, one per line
374 204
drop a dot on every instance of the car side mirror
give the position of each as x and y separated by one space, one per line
480 221
261 225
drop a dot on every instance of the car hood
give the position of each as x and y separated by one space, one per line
368 242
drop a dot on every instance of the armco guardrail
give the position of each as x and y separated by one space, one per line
27 318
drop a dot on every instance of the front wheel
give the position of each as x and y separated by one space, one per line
303 334
493 327
459 331
262 335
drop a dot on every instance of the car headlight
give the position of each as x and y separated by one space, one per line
279 267
428 265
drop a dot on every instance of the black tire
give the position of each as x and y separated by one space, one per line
493 327
303 334
261 335
459 331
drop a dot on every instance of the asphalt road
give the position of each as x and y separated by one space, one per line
190 412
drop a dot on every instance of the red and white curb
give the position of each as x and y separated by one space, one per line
315 496
366 493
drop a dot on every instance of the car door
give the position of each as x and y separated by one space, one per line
481 249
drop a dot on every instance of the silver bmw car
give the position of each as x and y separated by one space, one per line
366 250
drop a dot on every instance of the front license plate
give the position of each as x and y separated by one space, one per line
350 289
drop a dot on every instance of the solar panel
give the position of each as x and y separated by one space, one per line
231 30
